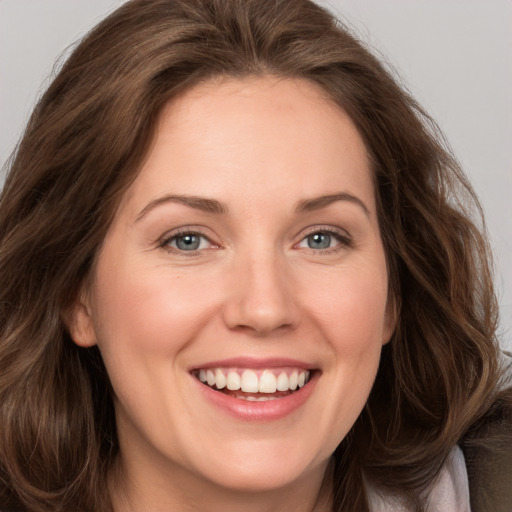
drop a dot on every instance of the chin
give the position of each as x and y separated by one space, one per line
263 469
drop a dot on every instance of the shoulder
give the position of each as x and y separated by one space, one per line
451 488
488 452
449 492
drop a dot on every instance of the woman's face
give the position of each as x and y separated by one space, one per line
246 253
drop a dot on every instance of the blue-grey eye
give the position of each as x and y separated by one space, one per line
188 242
319 241
324 239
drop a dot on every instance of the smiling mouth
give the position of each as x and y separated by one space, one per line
254 385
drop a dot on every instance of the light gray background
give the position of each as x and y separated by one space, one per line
455 56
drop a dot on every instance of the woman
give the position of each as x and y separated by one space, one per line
238 272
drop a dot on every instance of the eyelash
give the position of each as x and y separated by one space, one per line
167 240
343 238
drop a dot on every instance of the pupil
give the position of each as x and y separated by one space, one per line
188 242
319 241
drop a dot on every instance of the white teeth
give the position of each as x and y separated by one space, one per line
294 380
249 382
233 381
267 382
210 378
220 379
303 379
283 383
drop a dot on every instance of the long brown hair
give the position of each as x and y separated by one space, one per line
82 148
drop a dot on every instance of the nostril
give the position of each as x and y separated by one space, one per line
261 330
260 320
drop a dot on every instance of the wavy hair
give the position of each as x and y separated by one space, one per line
84 145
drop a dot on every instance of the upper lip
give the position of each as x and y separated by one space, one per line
254 363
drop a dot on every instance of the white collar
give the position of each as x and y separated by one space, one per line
449 493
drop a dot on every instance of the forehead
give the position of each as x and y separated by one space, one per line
235 134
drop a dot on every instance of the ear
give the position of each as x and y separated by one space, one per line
391 318
79 321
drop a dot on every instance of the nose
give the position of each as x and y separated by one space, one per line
261 299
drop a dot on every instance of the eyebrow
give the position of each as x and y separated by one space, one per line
199 203
318 203
214 206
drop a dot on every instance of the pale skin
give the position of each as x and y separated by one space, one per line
251 231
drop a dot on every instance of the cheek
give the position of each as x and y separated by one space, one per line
350 308
145 322
149 312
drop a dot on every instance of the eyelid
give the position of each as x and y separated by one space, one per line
165 240
340 234
344 238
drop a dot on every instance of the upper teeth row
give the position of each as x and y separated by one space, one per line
249 381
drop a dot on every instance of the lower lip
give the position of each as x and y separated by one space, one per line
269 410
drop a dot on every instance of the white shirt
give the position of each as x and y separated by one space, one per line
449 494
